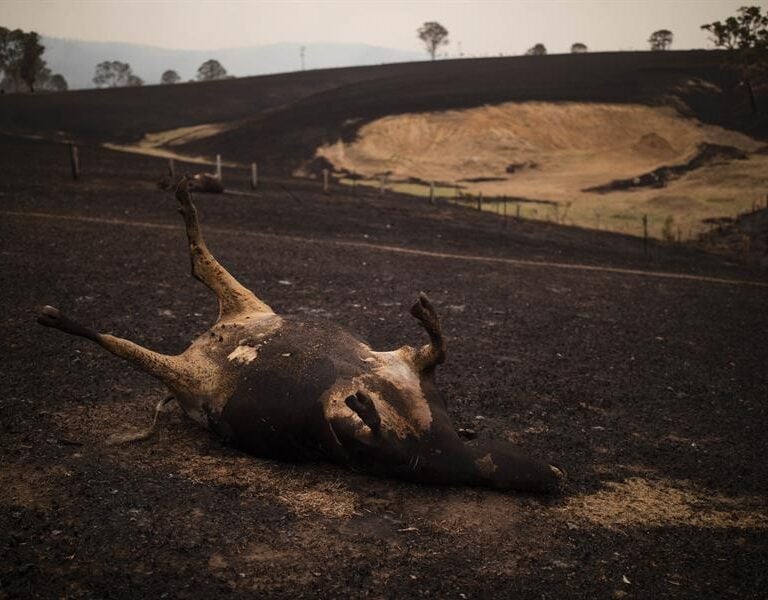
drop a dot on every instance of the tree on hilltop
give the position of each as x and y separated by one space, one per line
537 50
49 82
746 31
170 77
113 73
745 36
661 39
578 48
211 70
433 35
57 83
21 57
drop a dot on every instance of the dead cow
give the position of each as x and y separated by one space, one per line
295 388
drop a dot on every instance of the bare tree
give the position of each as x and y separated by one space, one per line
578 48
211 70
537 50
433 35
661 39
170 77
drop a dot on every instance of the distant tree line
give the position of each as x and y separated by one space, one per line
22 64
114 73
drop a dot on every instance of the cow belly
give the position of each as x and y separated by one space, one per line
273 413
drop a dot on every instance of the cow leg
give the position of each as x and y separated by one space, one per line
432 354
137 436
168 369
234 299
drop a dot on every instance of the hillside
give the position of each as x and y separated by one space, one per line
306 109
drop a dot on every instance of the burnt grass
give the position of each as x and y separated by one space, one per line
615 375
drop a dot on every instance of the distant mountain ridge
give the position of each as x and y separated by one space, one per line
77 59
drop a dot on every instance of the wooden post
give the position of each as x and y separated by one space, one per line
171 169
480 201
254 176
431 192
517 213
74 161
354 186
506 217
382 183
325 181
645 235
218 167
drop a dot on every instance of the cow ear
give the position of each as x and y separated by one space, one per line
365 409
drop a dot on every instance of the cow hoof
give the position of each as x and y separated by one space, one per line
467 434
560 478
50 317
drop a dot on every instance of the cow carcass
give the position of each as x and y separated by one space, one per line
295 388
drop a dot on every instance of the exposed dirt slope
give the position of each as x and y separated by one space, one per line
567 153
651 390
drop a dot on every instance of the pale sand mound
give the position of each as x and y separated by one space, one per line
553 151
574 145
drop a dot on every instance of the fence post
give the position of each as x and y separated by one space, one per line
506 217
480 201
218 167
254 176
431 192
517 212
74 161
171 169
382 183
325 181
645 235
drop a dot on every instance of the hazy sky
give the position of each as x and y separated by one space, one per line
483 27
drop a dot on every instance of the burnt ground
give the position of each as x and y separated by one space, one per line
651 391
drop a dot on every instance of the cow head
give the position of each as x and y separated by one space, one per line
393 420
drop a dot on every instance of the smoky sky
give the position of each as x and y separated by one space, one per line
479 28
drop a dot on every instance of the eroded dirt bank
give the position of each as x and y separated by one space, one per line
566 154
